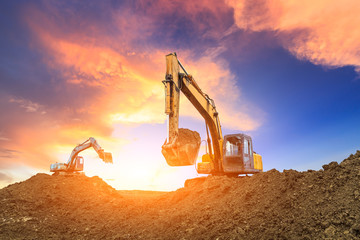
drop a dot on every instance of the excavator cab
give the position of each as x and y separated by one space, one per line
238 155
79 163
77 166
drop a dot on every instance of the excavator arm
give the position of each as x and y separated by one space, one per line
91 142
176 81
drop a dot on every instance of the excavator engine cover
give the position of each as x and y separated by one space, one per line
184 149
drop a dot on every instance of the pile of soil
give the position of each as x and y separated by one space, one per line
270 205
187 136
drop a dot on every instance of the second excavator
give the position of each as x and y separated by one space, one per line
75 164
226 155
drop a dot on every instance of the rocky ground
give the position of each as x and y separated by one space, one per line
321 204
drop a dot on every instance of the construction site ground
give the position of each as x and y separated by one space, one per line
322 204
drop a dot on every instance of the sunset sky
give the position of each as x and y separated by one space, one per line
285 72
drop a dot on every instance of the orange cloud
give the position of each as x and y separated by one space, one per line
125 78
215 78
28 105
323 32
128 82
131 87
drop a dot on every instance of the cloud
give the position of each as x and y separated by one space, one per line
129 87
3 137
323 32
8 153
215 79
28 105
196 26
127 78
5 178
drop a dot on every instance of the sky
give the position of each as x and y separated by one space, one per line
284 72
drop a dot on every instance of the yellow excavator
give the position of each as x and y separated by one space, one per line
225 155
75 164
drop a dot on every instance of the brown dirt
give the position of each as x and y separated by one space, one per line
188 136
271 205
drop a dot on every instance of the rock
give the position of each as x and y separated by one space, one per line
356 227
330 166
356 194
330 231
240 231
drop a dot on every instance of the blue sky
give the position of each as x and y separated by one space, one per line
287 75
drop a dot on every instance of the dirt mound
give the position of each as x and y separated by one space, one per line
40 204
188 136
271 205
274 205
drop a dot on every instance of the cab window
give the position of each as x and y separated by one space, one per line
246 146
232 147
250 148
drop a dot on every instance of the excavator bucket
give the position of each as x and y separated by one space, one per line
183 150
181 155
106 157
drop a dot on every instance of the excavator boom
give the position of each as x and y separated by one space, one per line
175 81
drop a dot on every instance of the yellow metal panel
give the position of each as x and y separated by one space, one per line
204 167
206 158
258 162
